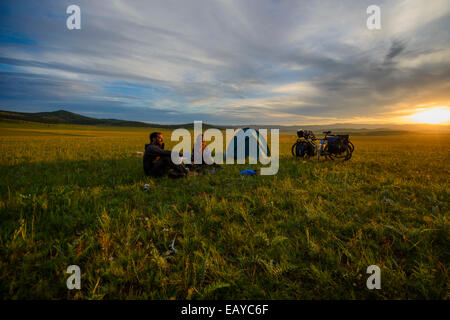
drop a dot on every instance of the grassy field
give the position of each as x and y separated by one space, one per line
74 195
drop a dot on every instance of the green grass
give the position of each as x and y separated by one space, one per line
74 195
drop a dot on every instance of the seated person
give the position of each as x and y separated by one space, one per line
205 155
158 161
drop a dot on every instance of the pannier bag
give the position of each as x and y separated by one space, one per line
304 148
337 144
300 149
343 138
305 134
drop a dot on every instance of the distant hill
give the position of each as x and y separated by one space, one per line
66 117
362 129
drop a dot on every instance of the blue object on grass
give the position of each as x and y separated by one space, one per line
248 172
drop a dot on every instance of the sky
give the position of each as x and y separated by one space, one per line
227 62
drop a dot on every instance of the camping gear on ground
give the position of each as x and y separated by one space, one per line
172 249
248 172
304 149
330 146
337 144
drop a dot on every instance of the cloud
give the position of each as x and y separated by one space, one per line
396 48
227 62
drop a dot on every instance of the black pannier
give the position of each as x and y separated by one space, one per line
343 138
304 148
300 149
333 145
337 144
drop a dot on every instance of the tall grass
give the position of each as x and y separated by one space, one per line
74 195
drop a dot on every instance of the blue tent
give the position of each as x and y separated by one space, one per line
253 134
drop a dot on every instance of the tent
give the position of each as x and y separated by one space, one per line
252 139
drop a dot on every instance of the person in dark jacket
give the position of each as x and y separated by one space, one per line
157 161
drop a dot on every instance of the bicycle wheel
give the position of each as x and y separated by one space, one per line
305 154
350 150
311 150
327 154
352 147
293 149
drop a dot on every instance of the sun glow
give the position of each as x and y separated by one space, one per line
439 115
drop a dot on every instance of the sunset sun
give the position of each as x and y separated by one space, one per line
439 115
